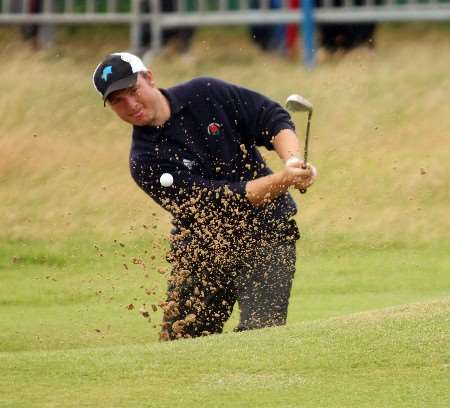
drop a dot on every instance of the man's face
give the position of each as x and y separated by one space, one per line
139 105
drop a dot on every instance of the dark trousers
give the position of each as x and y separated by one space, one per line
201 296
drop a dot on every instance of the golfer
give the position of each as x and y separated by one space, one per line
233 237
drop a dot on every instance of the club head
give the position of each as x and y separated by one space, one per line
297 103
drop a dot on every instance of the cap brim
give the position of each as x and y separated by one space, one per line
123 83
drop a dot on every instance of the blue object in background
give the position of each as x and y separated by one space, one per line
308 28
270 37
279 30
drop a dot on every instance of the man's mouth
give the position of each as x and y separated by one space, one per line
139 114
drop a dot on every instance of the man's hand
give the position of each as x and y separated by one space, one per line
264 189
298 175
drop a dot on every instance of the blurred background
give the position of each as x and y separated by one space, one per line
272 24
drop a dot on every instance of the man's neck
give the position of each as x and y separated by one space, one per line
164 112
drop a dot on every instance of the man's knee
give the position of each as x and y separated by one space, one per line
262 320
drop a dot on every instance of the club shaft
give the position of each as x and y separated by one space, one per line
305 153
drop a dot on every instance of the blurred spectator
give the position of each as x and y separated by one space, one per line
268 37
340 36
292 37
334 36
38 35
179 38
30 32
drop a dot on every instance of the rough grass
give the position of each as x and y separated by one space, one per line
379 120
375 234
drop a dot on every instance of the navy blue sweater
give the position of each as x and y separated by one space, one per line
209 146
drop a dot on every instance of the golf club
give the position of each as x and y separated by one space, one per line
297 103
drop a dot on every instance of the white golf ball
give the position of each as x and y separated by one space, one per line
166 179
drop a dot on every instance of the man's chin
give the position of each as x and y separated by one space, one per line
138 121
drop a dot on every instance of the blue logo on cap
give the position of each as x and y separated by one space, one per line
106 71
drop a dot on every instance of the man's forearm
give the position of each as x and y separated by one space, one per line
267 188
286 144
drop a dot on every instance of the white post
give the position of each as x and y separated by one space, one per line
46 33
156 27
135 26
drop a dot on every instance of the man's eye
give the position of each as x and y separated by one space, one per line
133 90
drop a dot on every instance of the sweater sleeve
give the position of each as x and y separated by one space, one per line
259 118
189 192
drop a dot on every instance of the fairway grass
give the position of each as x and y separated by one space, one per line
395 357
72 295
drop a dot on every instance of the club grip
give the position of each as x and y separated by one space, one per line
304 166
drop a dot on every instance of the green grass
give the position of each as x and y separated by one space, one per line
397 357
375 236
75 296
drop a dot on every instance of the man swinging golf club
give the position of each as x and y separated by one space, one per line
194 151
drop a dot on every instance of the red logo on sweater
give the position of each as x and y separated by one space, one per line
214 129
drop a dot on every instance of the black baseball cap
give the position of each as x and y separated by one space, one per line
117 71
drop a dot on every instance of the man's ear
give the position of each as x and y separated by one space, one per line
148 76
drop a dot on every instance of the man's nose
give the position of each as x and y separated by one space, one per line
130 102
